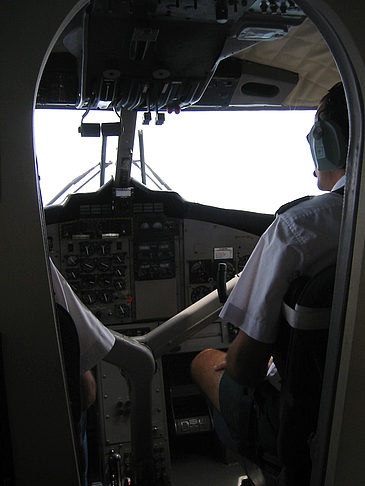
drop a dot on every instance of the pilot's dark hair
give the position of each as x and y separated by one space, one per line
336 108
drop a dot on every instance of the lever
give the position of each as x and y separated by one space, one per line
221 282
115 469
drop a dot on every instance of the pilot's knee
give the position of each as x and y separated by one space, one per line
203 367
205 375
203 361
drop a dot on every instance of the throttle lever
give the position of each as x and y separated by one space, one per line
222 282
115 469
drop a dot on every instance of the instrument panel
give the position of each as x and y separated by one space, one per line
121 266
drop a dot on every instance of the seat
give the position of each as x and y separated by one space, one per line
299 355
71 357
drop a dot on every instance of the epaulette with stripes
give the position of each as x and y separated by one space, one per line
291 204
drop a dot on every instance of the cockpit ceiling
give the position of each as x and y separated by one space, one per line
158 55
302 51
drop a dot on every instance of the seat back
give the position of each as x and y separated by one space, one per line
71 356
300 358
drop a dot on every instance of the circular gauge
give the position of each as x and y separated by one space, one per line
123 310
119 258
105 281
169 225
200 271
106 297
72 260
104 264
120 271
230 271
120 284
199 292
72 274
103 249
88 282
87 266
86 249
89 298
242 262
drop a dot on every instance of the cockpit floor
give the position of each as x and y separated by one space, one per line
195 470
201 460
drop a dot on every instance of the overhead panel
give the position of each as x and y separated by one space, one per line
157 55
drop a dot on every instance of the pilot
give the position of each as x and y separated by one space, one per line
302 240
95 342
95 339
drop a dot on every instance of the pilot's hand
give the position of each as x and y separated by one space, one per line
221 366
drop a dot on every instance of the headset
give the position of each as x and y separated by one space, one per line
328 145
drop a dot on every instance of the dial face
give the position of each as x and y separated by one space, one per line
87 266
199 292
122 310
72 260
89 298
86 249
103 249
105 281
230 271
104 264
242 262
72 274
120 271
200 271
88 281
119 258
106 296
120 284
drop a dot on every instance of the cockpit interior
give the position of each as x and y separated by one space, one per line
139 258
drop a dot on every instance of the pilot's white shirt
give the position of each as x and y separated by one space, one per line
301 241
95 339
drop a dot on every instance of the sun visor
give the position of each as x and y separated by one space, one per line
244 83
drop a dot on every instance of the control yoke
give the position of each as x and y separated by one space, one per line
137 357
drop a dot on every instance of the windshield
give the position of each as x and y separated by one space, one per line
249 160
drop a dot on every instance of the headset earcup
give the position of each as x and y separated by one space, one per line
328 145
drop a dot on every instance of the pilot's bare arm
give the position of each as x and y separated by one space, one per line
88 389
247 359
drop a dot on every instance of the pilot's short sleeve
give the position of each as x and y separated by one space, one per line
95 339
301 241
255 302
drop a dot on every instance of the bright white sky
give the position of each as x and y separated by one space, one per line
254 161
